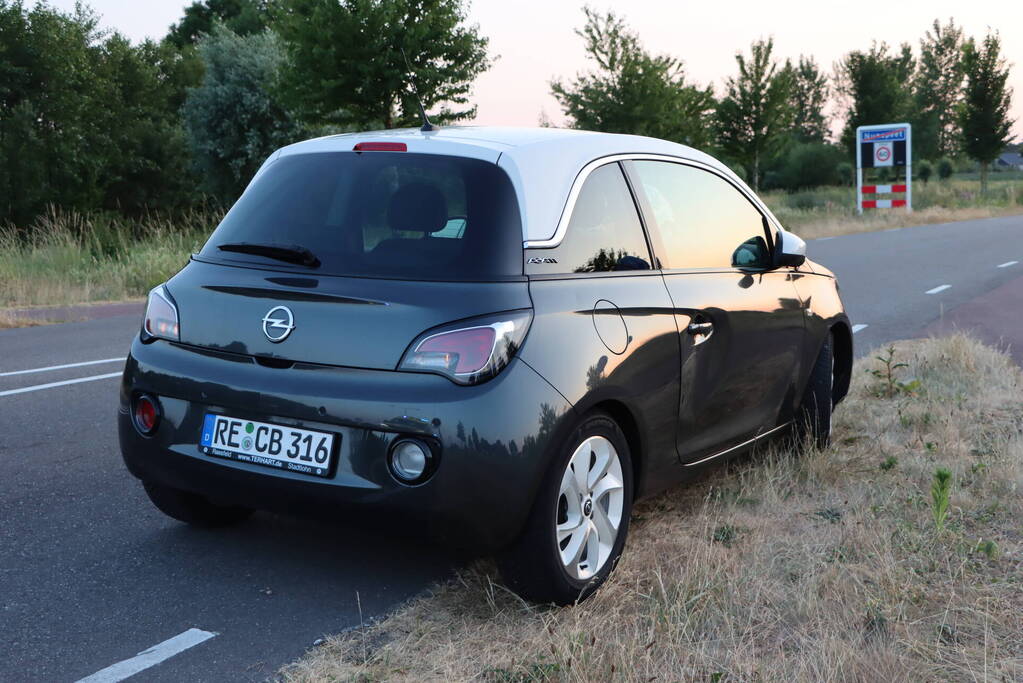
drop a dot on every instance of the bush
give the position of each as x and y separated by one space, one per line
924 171
807 165
846 173
945 168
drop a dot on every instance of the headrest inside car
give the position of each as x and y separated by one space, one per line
417 207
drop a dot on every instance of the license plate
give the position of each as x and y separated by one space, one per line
260 443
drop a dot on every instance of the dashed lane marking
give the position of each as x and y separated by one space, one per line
151 657
38 387
860 327
62 367
939 288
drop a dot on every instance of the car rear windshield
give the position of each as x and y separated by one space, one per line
377 214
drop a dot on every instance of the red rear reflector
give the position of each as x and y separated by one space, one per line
145 415
380 147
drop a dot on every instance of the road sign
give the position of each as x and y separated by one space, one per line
883 146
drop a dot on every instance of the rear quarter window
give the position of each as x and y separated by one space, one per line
381 214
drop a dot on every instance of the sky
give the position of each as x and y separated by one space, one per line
535 40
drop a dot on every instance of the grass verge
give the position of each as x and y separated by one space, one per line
831 211
71 258
836 565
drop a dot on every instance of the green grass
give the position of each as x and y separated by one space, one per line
69 258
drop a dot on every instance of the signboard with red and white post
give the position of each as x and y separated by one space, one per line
883 146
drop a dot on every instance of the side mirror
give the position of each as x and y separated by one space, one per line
790 251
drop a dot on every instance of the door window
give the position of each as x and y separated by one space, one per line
703 220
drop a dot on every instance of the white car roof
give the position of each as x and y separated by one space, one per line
543 163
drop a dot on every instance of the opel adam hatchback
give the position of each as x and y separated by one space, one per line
502 336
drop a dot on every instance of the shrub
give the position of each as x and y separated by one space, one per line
945 168
924 171
846 173
807 165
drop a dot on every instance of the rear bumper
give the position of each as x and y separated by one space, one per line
494 439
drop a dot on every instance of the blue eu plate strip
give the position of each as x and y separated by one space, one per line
207 430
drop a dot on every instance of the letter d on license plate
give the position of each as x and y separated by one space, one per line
270 445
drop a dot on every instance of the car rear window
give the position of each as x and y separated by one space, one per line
380 214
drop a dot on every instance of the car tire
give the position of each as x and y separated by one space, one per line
191 508
574 518
814 417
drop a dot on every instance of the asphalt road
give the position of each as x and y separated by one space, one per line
91 574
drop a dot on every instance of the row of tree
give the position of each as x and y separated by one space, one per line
770 121
89 120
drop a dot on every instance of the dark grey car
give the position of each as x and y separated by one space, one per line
501 337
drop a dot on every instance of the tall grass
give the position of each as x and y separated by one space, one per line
66 257
824 567
830 211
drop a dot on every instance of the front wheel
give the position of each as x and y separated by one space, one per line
577 528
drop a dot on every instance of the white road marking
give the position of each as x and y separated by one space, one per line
62 367
823 239
150 657
939 288
37 387
1007 264
859 328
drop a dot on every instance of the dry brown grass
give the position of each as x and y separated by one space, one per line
821 567
815 227
9 320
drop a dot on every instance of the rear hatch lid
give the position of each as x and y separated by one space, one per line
343 258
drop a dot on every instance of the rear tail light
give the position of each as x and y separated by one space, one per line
161 320
469 351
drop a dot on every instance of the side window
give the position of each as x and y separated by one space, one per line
604 233
704 221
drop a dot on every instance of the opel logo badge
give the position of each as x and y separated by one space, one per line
278 324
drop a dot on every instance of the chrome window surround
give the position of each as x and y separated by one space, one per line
573 195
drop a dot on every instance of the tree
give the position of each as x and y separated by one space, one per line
148 165
632 91
984 116
87 120
809 93
345 66
938 90
234 119
754 115
244 17
876 86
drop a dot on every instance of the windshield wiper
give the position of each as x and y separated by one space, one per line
291 253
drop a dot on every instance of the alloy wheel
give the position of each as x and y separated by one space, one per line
590 504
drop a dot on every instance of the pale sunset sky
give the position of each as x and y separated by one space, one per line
535 40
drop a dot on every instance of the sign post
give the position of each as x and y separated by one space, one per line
882 146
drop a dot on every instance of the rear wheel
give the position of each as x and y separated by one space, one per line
577 528
814 418
191 508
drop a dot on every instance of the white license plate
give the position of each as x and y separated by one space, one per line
260 443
